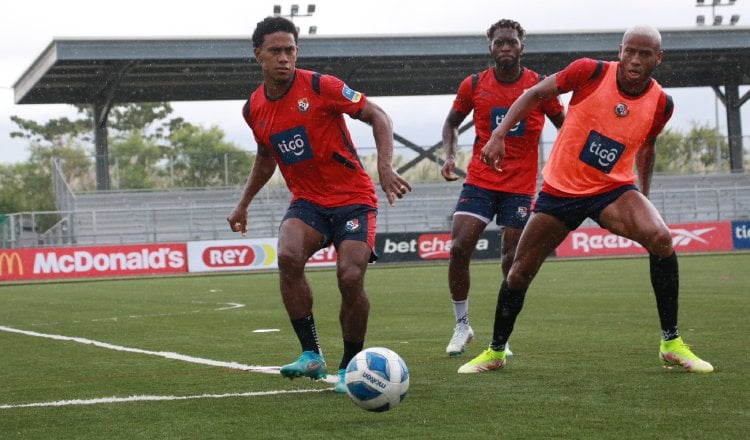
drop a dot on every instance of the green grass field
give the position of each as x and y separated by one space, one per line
585 363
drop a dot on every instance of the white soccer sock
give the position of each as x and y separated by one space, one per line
461 310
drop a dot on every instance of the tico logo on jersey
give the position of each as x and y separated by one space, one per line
498 114
292 146
601 152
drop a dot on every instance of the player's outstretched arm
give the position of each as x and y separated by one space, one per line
263 169
450 143
382 130
493 151
644 164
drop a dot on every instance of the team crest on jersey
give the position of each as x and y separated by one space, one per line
621 110
352 225
351 95
303 104
522 212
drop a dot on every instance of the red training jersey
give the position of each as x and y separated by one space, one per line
604 129
305 131
490 100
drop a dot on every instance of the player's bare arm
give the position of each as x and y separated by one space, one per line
450 143
382 129
494 151
263 169
644 164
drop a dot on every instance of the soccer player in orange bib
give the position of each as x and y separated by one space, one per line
615 114
297 118
486 193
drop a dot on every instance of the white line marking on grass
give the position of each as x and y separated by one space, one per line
230 306
164 354
153 398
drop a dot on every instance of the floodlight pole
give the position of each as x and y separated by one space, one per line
716 20
294 12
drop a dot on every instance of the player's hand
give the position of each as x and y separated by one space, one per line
238 221
393 185
447 170
493 152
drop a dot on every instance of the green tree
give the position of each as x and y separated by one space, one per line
27 187
201 157
702 149
135 162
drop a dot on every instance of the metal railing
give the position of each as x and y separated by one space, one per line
177 219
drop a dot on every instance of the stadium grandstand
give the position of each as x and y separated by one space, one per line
178 215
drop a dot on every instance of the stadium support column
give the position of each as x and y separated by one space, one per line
100 111
733 104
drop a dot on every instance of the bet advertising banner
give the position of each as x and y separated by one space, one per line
92 261
686 237
411 247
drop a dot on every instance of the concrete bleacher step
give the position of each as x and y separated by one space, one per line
200 214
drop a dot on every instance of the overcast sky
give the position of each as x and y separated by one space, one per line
28 27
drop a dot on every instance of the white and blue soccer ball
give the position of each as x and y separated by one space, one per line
377 379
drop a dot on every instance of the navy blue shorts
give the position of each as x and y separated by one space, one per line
351 222
572 211
511 209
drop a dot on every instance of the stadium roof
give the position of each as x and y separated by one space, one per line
133 70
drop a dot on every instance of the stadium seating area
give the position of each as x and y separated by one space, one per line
116 217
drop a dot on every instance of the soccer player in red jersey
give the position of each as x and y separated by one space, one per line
615 114
487 193
297 119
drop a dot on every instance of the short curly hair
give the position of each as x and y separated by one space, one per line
507 24
270 25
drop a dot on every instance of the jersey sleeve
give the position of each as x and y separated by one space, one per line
664 110
576 74
248 120
464 102
341 97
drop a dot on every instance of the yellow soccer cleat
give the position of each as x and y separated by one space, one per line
676 352
487 361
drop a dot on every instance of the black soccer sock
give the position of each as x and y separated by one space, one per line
509 305
665 279
350 350
308 337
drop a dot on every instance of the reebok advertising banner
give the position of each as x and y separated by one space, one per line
687 237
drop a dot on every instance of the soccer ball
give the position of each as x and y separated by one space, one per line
377 379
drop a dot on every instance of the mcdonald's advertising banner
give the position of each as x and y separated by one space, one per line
92 261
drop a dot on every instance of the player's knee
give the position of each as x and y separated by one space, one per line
660 243
290 260
459 251
518 279
350 277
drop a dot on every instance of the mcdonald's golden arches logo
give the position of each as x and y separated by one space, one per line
10 262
